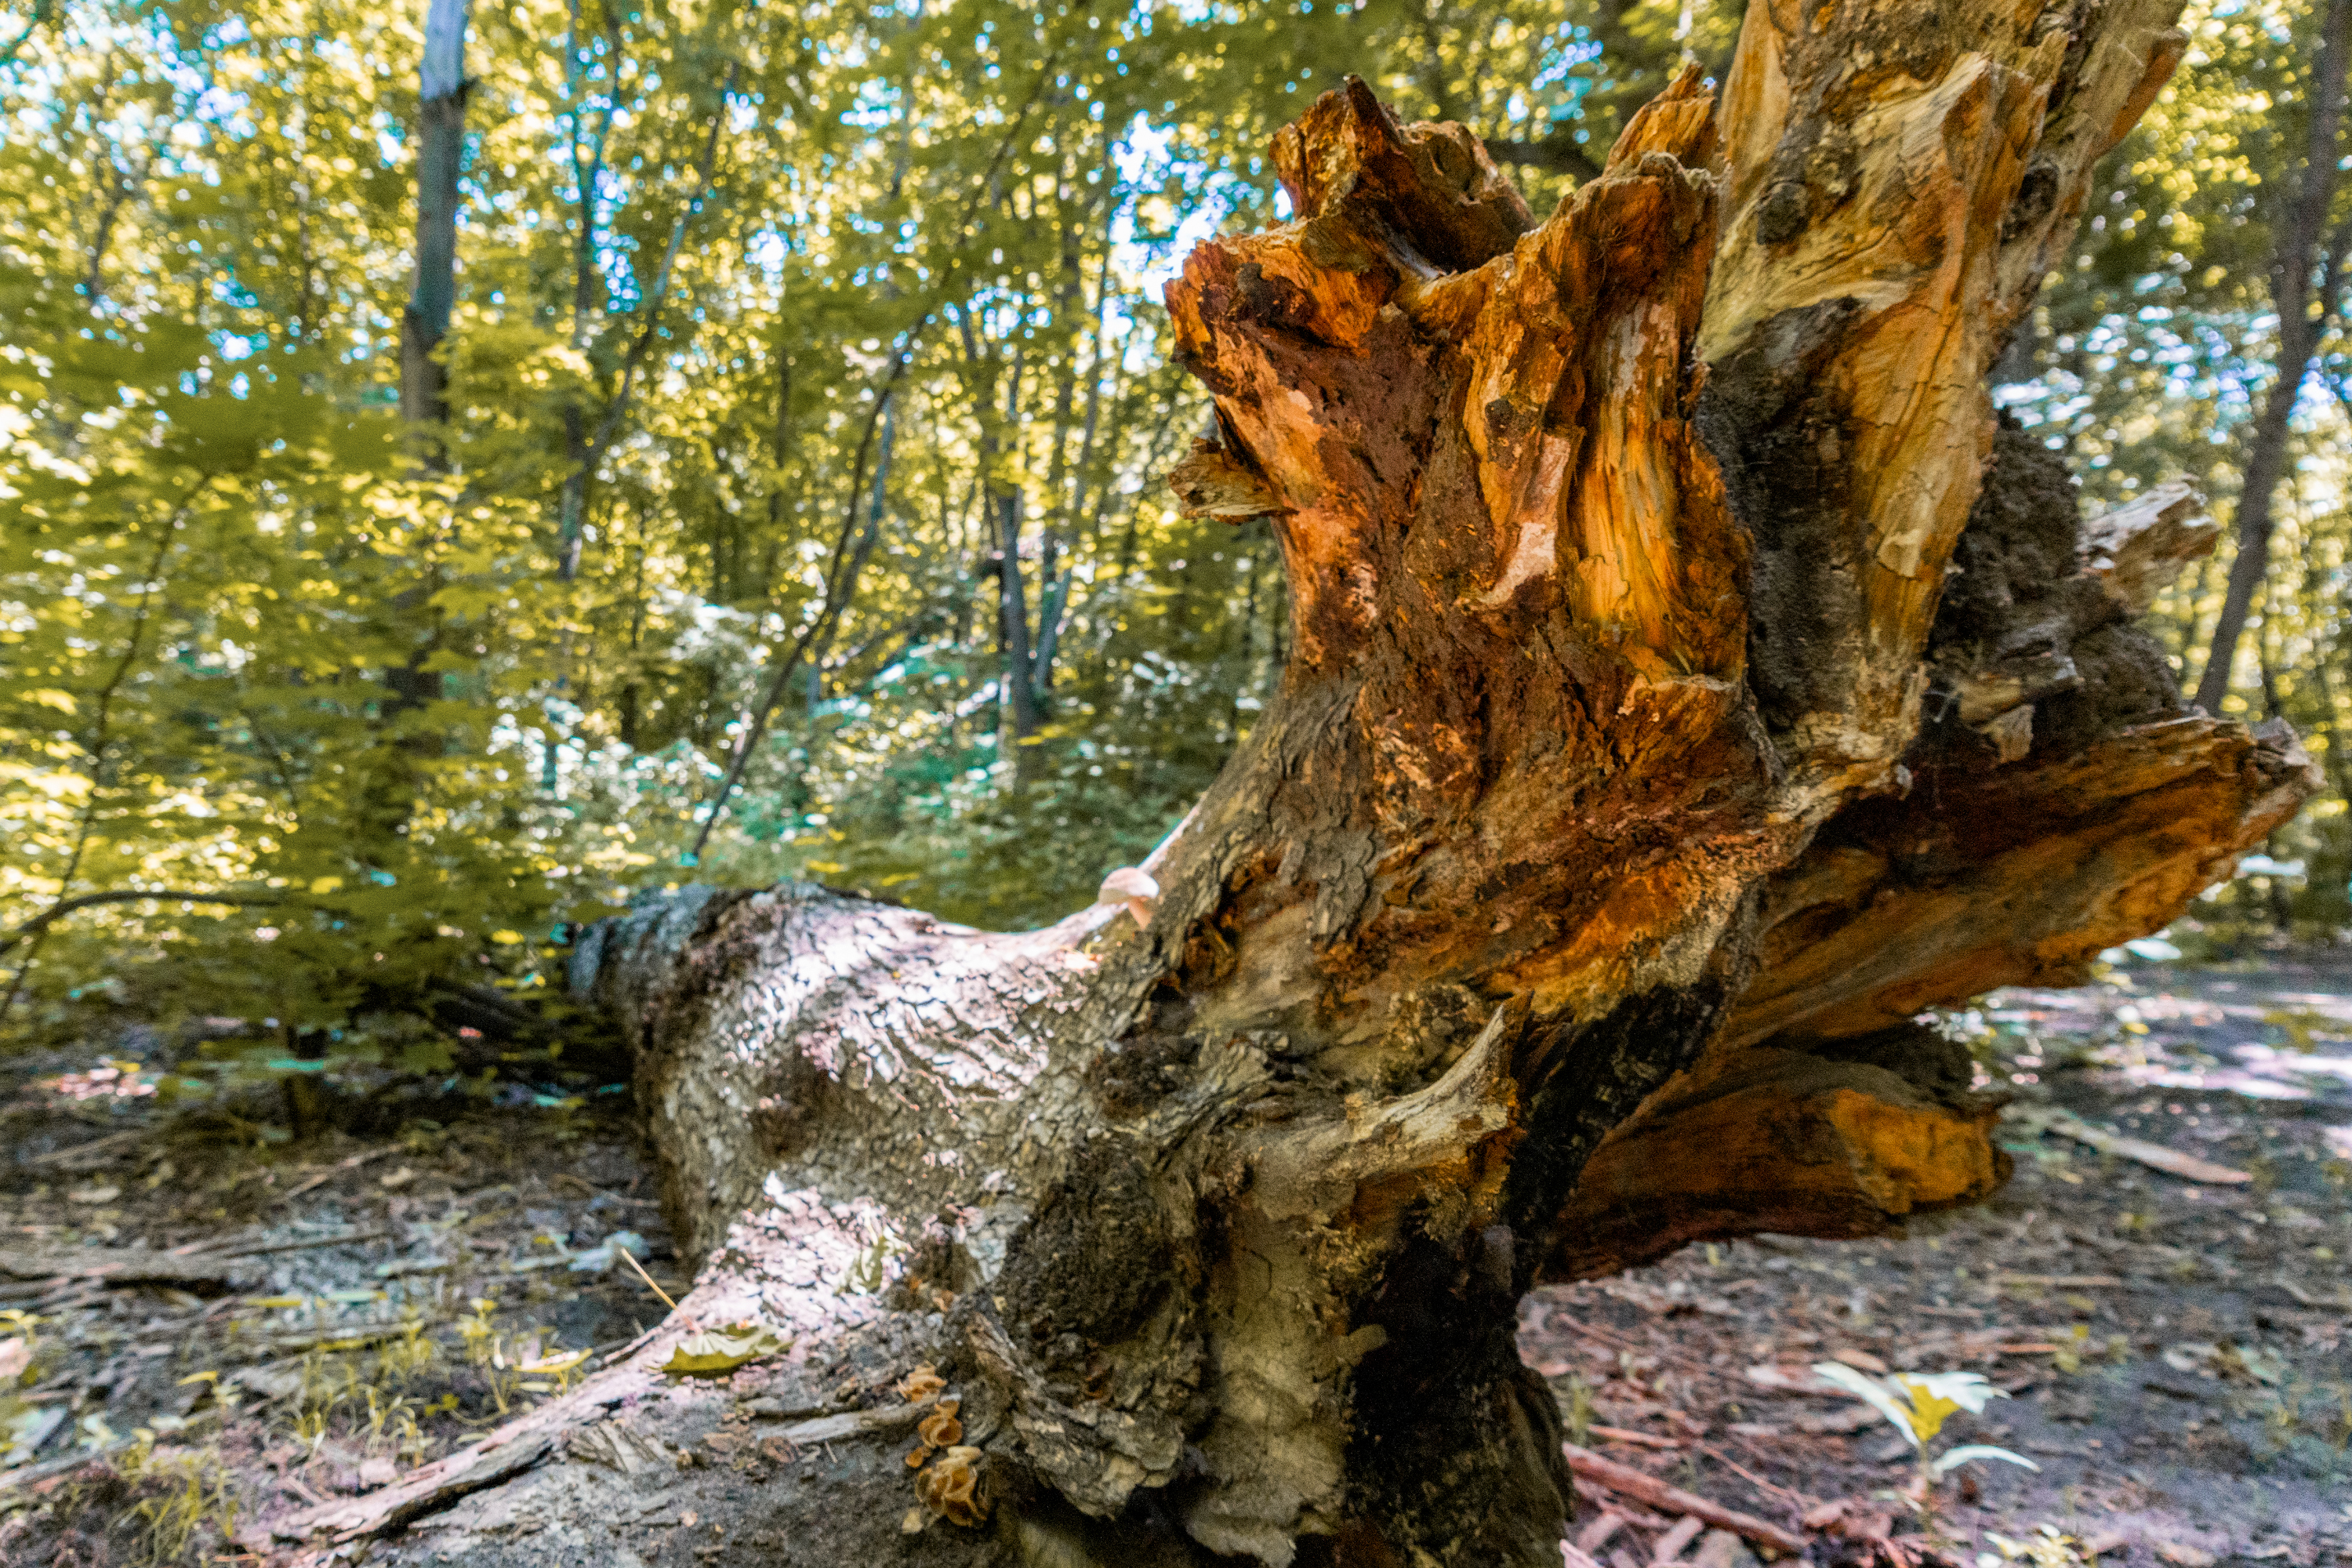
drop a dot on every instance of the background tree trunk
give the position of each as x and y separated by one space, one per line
1571 900
2302 248
423 324
440 155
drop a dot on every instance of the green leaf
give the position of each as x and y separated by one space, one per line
711 1352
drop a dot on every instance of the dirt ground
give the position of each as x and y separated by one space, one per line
226 1326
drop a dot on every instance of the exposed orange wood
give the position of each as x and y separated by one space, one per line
2012 876
1773 1141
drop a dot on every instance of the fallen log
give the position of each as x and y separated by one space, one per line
1640 763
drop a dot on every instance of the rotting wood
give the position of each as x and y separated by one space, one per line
1635 777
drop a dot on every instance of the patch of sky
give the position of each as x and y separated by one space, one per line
1146 155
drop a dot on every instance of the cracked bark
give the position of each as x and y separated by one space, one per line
1633 781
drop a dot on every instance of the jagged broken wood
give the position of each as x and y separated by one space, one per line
1640 769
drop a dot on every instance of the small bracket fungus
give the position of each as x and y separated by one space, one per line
1135 888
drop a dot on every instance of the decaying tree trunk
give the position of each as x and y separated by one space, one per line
1635 780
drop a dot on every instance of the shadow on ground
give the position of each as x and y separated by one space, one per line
224 1330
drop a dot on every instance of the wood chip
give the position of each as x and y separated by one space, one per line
1639 1439
1672 1543
1597 1534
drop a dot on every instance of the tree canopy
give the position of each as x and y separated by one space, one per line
809 397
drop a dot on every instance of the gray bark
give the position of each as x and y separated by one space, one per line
440 155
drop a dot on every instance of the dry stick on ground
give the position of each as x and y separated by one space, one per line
1793 1498
1573 898
330 1172
2156 1156
95 1147
1645 1488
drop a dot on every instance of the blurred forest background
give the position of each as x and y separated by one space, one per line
795 437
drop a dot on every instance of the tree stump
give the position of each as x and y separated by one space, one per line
1693 681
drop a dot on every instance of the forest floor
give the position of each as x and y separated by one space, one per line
226 1327
2176 1353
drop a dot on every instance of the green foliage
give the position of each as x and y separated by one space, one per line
222 547
2150 355
405 704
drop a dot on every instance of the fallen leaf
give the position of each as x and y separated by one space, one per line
2182 1555
399 1178
2192 1356
102 1193
16 1355
724 1349
1862 1359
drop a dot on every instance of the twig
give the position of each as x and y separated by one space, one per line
2342 1303
331 1172
102 743
63 1156
1793 1498
1611 1476
350 1238
630 1347
27 1473
1639 1439
1626 1342
648 1279
2156 1156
